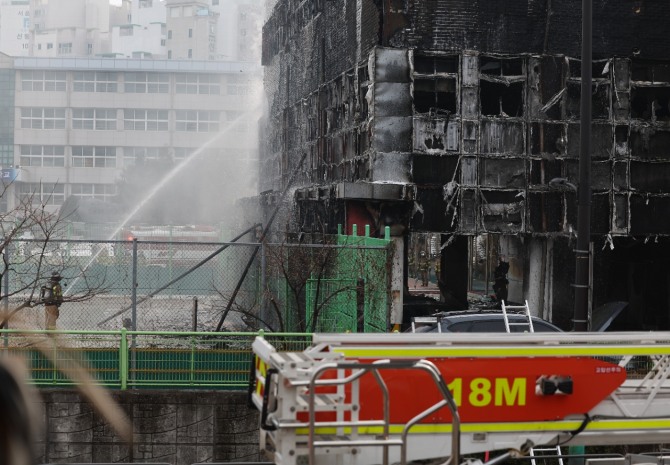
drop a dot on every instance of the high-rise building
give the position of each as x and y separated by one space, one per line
462 119
79 124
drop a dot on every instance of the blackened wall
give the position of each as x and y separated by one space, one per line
620 28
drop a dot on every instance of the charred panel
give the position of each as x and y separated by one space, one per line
547 138
429 169
543 171
602 141
507 172
434 215
502 137
468 211
649 177
621 213
546 212
650 143
650 103
600 100
649 215
502 211
600 213
601 175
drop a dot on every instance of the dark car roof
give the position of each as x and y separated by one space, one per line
480 321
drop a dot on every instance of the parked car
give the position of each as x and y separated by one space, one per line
493 321
488 321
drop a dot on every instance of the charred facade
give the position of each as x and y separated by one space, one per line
462 119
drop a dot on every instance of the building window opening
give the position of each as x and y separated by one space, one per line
435 84
502 86
650 103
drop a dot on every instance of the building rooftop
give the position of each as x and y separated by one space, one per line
128 64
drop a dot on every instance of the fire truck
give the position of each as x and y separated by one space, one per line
363 399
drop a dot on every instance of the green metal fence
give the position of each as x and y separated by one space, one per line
126 359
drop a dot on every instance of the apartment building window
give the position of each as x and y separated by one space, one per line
170 34
100 119
138 155
237 85
162 42
65 48
50 46
197 120
215 2
94 81
126 31
190 32
169 54
42 155
198 84
181 153
89 49
147 83
38 81
93 157
43 118
40 193
190 53
145 120
93 191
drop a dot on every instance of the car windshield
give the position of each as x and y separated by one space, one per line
494 325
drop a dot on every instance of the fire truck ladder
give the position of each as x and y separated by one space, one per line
306 392
363 399
554 451
529 320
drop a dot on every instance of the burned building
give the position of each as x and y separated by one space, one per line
462 119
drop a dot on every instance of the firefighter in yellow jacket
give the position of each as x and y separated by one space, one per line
52 296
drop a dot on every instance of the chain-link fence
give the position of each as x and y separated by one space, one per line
150 285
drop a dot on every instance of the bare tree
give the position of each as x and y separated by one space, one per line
32 249
306 283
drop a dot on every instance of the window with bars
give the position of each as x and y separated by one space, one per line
94 81
43 81
197 120
209 84
147 83
42 155
145 120
94 157
43 118
93 191
65 48
100 119
42 193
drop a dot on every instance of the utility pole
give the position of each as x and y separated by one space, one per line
582 254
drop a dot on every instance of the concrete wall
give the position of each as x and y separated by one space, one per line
178 427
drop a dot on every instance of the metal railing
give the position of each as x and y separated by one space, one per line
142 359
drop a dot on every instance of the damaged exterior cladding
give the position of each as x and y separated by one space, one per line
462 118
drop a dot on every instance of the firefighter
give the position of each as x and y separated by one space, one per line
52 297
424 268
500 280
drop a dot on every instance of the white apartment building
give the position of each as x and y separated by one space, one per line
220 30
78 122
192 30
14 27
74 27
